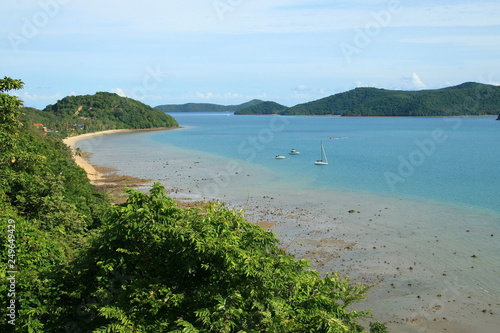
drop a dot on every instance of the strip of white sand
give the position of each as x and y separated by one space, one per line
73 140
96 177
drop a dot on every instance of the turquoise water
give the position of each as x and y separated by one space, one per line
452 160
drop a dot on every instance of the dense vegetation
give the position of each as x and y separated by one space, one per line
75 263
471 99
49 208
101 111
206 107
263 108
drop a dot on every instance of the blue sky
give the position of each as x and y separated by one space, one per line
232 51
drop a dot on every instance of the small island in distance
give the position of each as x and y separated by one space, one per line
206 107
466 99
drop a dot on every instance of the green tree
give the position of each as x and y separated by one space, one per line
101 111
9 119
159 268
54 208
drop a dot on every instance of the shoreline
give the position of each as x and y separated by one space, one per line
71 141
341 116
96 177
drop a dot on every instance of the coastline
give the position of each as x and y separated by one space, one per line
95 176
71 141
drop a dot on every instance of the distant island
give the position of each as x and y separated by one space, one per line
74 115
467 99
206 107
263 108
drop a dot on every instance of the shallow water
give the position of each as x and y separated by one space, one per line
426 218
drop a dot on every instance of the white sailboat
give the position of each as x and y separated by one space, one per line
323 160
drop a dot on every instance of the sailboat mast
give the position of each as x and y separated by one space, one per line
323 151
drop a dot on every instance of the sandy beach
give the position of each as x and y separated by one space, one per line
96 177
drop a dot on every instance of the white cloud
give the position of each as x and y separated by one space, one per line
489 80
227 95
413 82
29 97
208 95
417 82
119 92
301 87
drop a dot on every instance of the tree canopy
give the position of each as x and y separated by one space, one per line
101 111
469 98
206 107
50 203
159 268
263 108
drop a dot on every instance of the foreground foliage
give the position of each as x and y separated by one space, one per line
52 204
160 268
147 265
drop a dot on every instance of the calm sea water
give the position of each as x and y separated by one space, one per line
445 159
427 191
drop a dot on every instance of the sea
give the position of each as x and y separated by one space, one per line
408 205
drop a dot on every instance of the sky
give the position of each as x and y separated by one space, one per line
232 51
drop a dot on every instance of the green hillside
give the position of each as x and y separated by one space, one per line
263 108
101 111
465 99
206 107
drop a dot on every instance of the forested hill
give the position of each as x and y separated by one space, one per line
101 111
263 108
466 99
206 107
